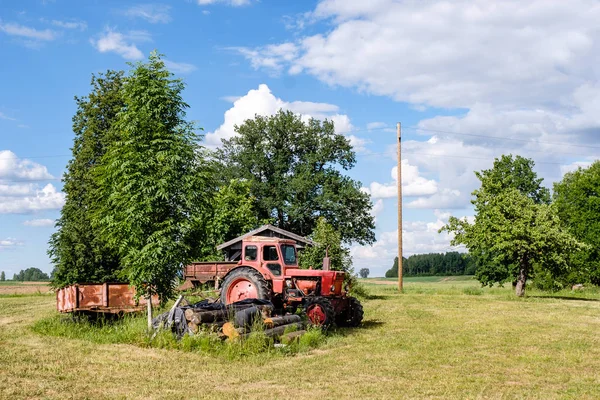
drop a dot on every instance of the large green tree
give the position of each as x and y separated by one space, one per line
295 171
514 232
577 199
154 181
76 250
2 276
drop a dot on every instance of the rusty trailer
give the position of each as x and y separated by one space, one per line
110 298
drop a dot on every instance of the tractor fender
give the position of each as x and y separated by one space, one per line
263 271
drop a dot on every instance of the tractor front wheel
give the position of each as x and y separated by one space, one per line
319 312
244 283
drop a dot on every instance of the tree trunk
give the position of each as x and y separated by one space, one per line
521 280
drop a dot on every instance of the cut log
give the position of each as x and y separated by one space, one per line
278 321
292 336
200 317
279 330
193 327
231 331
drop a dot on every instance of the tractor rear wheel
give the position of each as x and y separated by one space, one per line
353 315
319 312
244 283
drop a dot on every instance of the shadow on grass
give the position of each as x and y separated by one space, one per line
563 298
375 297
347 331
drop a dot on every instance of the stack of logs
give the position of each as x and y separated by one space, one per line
238 323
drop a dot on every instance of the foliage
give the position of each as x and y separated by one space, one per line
577 199
514 232
30 275
295 174
230 215
364 272
76 250
442 264
154 180
328 241
2 277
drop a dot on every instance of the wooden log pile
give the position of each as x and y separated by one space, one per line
239 322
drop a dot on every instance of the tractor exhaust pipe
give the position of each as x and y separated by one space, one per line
326 260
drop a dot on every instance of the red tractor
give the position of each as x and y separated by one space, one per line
268 269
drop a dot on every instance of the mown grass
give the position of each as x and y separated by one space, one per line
442 340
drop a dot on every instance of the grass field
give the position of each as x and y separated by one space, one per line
442 338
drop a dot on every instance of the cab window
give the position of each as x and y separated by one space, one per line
250 253
270 253
289 254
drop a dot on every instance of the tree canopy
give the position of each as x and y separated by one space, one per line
153 179
364 272
577 199
515 231
294 169
2 276
76 249
31 275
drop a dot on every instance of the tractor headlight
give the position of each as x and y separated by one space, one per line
333 288
288 283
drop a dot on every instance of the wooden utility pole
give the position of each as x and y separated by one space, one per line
399 134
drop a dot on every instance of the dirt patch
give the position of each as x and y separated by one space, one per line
25 288
383 282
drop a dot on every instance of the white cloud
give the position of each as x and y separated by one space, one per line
47 198
273 57
153 13
80 25
18 192
11 167
15 29
39 222
180 68
234 3
261 101
112 41
9 243
412 184
460 53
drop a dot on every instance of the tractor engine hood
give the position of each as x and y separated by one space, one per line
331 283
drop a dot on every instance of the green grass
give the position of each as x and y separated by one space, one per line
439 339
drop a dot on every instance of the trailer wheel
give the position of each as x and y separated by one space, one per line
319 312
353 315
244 283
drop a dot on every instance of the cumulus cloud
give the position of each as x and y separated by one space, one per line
11 167
261 101
153 13
462 52
18 192
412 184
39 222
122 44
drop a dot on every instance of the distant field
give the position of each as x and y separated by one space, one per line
21 288
440 339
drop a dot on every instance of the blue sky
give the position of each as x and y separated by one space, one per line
468 80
